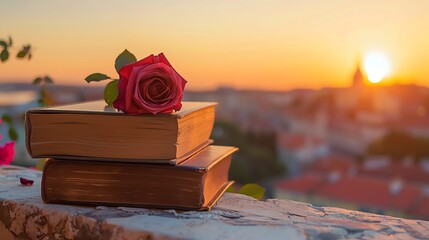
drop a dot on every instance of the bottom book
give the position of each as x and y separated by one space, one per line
195 184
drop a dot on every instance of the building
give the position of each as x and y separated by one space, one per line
296 150
377 185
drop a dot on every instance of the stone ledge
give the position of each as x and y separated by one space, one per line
24 216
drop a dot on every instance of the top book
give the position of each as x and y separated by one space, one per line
90 130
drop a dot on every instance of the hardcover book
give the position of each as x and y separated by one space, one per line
196 183
89 131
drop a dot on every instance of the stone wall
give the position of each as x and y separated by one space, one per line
24 216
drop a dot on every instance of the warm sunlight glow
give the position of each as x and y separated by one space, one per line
377 66
221 43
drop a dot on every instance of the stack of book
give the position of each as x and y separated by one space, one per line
101 156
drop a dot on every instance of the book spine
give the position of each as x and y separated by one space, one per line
43 184
28 132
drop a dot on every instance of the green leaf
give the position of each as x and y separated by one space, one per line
48 80
253 190
111 92
123 59
7 118
230 189
13 135
37 81
10 41
4 55
24 51
96 77
3 44
21 54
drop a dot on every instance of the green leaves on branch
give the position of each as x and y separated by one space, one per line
111 92
97 77
7 118
46 80
111 89
25 52
44 97
13 135
4 44
4 55
37 81
251 189
123 59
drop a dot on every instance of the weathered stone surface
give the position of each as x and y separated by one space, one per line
24 216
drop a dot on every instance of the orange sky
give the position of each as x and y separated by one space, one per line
273 44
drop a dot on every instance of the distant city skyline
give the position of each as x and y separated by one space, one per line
269 45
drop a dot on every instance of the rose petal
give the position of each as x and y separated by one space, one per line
131 85
160 71
160 91
119 102
127 69
124 75
164 60
26 182
150 88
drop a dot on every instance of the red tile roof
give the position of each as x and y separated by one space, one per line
332 162
413 173
370 192
302 184
295 141
422 209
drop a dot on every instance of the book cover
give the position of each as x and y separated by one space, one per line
90 131
196 183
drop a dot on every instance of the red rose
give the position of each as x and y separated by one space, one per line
150 85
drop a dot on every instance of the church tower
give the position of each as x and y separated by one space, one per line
358 77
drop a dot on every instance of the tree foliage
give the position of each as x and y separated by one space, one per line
398 145
256 161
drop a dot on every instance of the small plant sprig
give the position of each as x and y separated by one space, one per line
7 45
25 52
250 189
44 98
111 89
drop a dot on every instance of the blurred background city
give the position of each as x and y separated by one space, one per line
328 101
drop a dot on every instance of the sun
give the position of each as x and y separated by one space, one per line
377 66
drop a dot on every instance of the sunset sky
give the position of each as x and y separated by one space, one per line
273 44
